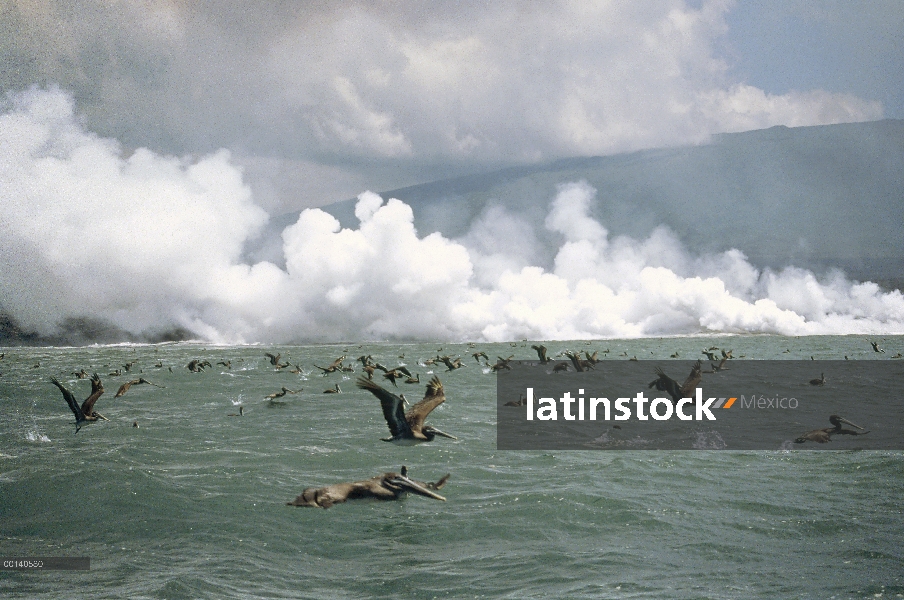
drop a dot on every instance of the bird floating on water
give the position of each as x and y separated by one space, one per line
820 381
388 486
825 435
408 428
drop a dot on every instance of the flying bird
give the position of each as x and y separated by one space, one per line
388 486
664 383
408 428
825 435
281 393
84 413
541 353
125 387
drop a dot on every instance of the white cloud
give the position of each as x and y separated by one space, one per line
149 242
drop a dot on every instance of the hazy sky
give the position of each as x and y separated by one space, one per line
318 101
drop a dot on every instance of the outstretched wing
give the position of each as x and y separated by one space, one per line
97 390
433 398
393 407
70 399
693 380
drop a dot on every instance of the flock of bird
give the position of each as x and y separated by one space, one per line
409 427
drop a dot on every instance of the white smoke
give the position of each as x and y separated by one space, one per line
150 242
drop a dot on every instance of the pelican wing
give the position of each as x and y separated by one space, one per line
70 399
392 405
693 380
125 387
97 390
433 398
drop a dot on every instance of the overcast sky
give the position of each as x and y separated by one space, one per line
319 101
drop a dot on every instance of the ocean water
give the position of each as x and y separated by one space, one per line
192 504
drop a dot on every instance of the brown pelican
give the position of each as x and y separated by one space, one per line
477 356
709 355
197 365
561 367
875 346
541 353
84 413
664 383
825 435
388 486
579 365
226 363
415 379
502 363
82 374
820 381
592 358
330 369
408 428
125 387
281 393
396 373
135 424
241 412
521 401
274 360
333 390
452 364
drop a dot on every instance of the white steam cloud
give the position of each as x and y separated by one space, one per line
150 242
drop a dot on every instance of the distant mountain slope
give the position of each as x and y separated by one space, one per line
814 197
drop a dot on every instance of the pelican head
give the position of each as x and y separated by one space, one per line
431 432
837 421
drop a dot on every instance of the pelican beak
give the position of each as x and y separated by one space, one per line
415 488
843 420
440 433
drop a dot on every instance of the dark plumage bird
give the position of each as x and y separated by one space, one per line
502 363
561 367
541 353
875 346
579 365
820 381
125 387
241 412
408 428
388 486
664 383
84 413
281 393
477 356
197 365
521 401
333 390
825 435
592 358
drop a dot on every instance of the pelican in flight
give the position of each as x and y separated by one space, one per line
388 486
541 353
125 387
84 413
875 346
281 393
825 435
664 383
820 381
408 428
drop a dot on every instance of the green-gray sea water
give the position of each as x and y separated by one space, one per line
192 503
